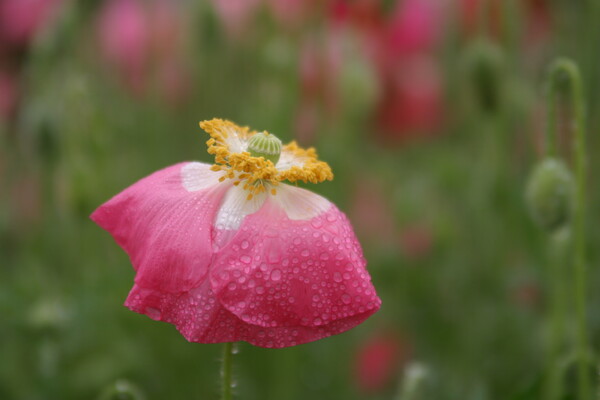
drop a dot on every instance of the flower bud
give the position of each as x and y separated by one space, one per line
483 64
550 194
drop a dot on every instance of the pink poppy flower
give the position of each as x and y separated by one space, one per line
412 102
21 20
379 360
124 36
414 27
236 15
228 252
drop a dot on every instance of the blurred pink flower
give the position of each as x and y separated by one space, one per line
412 101
144 42
228 252
415 27
379 360
236 15
168 30
9 94
124 34
318 70
20 20
402 46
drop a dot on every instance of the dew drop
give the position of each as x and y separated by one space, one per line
260 289
337 277
316 223
276 275
346 298
273 257
244 245
245 259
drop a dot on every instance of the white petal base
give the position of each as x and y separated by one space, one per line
197 176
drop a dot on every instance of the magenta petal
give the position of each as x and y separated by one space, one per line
164 228
200 318
306 276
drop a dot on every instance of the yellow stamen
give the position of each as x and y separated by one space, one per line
256 171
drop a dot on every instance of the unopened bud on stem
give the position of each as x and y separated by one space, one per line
484 62
550 194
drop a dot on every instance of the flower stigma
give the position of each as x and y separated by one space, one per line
265 145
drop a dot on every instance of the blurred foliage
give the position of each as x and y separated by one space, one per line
453 253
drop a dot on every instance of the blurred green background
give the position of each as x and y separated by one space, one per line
430 112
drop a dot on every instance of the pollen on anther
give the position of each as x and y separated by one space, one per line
249 197
273 191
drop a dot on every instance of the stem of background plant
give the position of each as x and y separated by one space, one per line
565 71
553 389
226 371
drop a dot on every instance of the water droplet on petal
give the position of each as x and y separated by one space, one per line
245 259
276 275
316 223
346 298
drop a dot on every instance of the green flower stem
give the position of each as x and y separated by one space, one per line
564 74
226 371
555 372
